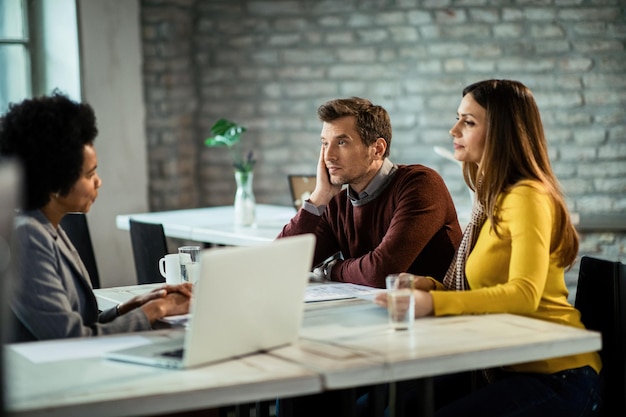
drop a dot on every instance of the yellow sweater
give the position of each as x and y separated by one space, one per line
517 274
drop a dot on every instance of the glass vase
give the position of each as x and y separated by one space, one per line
244 199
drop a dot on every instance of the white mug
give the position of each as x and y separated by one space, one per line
169 267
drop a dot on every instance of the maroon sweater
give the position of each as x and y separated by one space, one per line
411 226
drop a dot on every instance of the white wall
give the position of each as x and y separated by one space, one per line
110 46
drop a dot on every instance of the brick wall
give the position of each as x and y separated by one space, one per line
270 64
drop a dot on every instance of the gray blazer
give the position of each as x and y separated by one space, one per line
53 298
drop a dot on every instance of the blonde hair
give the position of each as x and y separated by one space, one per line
515 150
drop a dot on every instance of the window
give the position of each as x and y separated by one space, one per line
15 80
38 49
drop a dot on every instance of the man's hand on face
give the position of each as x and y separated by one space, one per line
324 189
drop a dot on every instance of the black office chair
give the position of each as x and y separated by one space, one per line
77 229
601 299
149 245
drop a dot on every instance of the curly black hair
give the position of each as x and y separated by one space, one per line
47 135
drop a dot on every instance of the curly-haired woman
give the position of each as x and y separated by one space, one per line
53 139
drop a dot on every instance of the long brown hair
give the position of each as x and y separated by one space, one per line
515 150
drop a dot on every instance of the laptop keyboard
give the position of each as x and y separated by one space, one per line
176 353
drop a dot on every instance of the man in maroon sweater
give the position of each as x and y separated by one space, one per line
390 218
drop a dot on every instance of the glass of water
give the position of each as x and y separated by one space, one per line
400 301
189 263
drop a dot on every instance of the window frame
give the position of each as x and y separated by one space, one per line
26 43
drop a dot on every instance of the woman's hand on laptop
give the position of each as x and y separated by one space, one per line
185 288
173 304
170 297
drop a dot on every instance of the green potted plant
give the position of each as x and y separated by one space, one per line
228 133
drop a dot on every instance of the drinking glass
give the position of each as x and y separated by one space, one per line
189 263
400 301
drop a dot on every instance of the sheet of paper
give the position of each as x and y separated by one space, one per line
339 291
76 348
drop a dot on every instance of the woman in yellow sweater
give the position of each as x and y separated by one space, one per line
513 255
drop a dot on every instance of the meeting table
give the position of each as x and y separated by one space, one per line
343 344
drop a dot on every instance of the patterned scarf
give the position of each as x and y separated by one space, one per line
455 277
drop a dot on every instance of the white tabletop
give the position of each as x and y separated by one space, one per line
216 224
110 297
343 345
366 351
70 378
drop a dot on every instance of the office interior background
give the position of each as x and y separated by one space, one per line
159 73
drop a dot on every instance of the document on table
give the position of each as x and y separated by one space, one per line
339 291
75 348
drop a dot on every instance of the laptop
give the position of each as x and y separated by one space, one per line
248 299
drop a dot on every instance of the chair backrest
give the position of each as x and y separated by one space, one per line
301 187
149 245
77 229
601 300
